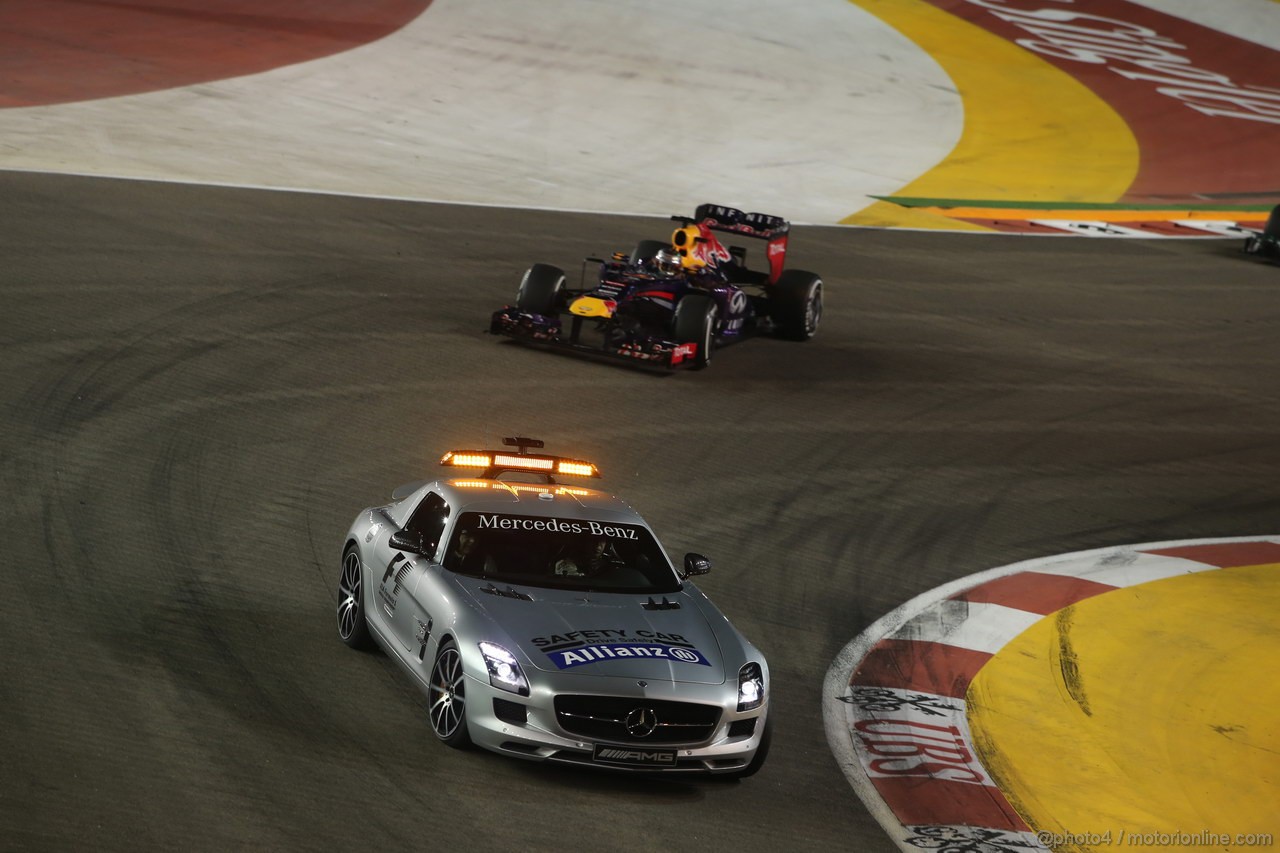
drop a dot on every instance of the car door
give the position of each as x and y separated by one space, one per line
398 573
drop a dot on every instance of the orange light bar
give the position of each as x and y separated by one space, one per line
498 460
531 463
466 459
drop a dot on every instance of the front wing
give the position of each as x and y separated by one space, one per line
548 330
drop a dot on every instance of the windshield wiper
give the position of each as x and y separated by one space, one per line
509 592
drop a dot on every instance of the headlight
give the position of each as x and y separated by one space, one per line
504 670
750 687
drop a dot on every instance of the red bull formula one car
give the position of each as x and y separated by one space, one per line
669 304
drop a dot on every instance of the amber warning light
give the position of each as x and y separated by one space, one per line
495 461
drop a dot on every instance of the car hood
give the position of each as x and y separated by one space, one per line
620 636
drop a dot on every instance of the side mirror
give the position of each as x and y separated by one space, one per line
403 540
696 564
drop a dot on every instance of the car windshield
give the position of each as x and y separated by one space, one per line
559 553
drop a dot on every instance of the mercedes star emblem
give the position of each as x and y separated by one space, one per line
641 722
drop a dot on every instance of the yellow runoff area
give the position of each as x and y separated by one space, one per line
1031 131
1150 709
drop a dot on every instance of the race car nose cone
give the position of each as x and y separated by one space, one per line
591 306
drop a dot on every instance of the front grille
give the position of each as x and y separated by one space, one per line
605 718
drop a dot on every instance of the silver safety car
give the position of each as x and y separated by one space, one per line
545 621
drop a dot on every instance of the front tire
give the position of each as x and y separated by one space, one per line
540 290
353 629
795 304
695 322
446 697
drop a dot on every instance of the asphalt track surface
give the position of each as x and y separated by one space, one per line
201 387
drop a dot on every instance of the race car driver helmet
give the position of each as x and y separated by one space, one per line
667 261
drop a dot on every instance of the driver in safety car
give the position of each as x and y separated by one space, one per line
594 560
466 557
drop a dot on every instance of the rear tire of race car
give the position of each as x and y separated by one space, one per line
646 249
540 289
352 627
795 304
762 752
447 699
695 322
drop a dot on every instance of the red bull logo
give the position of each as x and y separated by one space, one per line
700 246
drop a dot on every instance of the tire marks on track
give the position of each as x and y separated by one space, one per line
281 360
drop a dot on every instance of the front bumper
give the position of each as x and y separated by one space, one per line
540 736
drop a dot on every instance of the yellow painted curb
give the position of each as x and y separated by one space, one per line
1031 131
1144 711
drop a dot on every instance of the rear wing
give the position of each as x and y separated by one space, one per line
721 218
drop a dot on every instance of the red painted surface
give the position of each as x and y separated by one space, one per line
1158 228
1226 554
1202 105
57 51
926 801
922 666
1034 592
